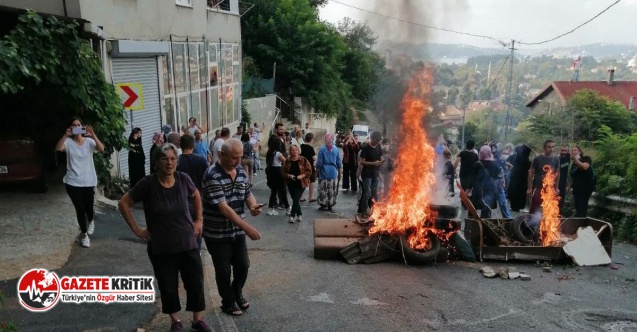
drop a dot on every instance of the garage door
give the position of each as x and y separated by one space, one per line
144 71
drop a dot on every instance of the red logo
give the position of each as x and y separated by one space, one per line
39 290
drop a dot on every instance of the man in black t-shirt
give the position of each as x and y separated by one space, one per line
583 181
536 175
195 166
466 159
371 159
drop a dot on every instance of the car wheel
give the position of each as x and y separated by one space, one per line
520 229
417 256
445 211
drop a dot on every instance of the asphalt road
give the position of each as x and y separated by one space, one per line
291 291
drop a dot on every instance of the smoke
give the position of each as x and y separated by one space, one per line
442 13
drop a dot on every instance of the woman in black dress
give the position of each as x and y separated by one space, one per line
136 157
519 177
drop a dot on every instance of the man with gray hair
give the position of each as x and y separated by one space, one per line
226 191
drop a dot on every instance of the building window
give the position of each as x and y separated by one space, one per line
219 4
184 2
207 84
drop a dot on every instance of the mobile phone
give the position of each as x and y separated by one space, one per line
78 130
261 205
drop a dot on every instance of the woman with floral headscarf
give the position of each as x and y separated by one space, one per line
328 163
483 179
158 140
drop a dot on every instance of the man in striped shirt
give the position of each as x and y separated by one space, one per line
226 191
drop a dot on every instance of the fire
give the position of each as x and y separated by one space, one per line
550 223
406 209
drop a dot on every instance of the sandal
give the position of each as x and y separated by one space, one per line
312 200
232 311
243 303
302 199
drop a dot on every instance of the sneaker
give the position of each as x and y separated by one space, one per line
288 211
200 326
255 174
291 219
272 212
176 326
280 207
91 228
299 218
86 242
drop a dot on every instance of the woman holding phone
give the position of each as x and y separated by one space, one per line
80 142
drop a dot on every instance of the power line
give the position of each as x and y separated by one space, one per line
572 30
473 34
417 24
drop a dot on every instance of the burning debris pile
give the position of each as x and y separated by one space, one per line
405 223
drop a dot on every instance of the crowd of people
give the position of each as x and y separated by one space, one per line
199 191
492 176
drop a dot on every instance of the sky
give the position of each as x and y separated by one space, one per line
527 21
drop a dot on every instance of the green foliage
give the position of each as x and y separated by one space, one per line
48 52
452 95
245 115
616 164
361 115
6 326
487 125
466 95
591 111
309 53
344 120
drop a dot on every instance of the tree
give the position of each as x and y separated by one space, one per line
466 95
363 67
46 56
590 111
452 95
309 53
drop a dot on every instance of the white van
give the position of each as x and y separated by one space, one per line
362 132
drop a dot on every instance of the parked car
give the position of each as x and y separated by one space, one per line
20 162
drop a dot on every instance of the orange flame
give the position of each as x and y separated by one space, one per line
405 210
550 223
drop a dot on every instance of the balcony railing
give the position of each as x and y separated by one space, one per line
219 4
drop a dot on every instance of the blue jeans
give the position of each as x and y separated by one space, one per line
370 189
296 192
502 201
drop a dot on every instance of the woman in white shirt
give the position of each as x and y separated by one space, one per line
275 159
80 142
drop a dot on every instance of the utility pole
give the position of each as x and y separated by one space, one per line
508 118
464 113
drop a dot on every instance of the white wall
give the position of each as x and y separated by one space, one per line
262 111
159 19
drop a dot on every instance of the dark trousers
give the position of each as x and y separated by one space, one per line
296 192
167 268
277 188
349 176
83 201
230 257
536 200
581 202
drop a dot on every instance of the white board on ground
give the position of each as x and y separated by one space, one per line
587 250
